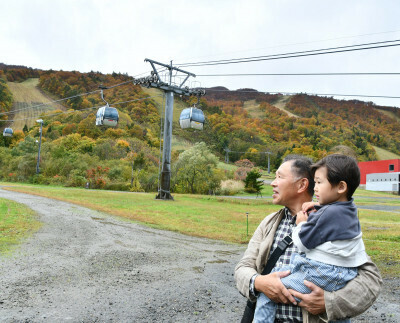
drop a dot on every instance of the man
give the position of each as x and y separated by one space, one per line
293 186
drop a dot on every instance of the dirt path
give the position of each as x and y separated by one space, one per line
281 104
86 266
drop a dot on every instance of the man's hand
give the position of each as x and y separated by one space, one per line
313 302
273 288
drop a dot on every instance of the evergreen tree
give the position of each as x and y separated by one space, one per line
252 184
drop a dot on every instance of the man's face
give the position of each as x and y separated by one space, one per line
284 185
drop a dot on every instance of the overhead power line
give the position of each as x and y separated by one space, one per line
70 97
300 74
318 94
314 52
79 110
297 43
48 103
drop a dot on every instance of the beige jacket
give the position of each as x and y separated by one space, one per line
352 300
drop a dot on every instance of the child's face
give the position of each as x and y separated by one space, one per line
324 192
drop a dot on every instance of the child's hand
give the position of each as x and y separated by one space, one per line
309 206
301 217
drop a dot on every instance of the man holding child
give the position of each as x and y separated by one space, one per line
329 237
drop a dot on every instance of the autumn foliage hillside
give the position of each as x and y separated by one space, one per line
76 151
324 125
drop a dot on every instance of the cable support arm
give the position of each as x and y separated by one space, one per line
154 80
169 67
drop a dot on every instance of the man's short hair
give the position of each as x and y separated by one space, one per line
340 168
301 168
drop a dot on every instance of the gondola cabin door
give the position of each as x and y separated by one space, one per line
107 116
192 118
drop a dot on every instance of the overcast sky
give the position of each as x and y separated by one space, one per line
117 35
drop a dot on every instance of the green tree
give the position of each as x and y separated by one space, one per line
252 182
195 170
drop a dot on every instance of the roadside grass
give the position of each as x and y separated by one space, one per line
266 191
381 235
363 192
16 223
222 218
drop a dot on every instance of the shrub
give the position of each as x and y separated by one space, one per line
244 167
136 187
57 180
231 187
39 179
75 180
117 186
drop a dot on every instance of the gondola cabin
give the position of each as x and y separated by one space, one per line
107 116
8 132
192 118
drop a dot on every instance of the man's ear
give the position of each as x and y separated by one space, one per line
342 187
303 185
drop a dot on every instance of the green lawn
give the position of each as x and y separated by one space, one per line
16 222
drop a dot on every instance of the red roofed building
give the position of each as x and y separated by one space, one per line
379 166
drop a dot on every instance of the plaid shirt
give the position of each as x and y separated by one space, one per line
286 312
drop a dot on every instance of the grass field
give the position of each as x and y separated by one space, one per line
225 218
16 222
253 108
384 154
388 113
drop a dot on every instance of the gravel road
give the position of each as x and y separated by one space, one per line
87 266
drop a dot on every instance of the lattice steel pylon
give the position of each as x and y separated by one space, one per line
155 81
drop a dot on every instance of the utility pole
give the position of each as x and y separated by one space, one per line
227 151
170 89
40 144
269 153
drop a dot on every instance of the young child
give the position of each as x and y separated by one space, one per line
329 239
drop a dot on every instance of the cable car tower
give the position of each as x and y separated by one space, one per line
170 89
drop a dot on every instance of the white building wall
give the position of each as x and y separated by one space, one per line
385 182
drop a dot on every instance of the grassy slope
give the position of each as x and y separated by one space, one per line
389 114
158 97
26 94
225 218
385 154
253 108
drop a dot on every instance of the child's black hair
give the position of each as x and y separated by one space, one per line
340 168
